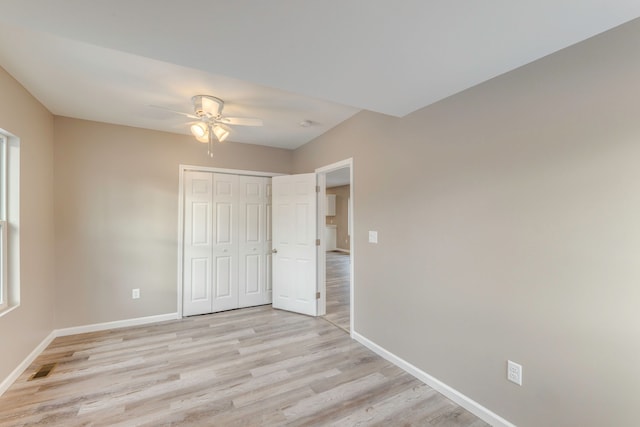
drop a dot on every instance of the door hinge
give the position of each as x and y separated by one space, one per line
317 188
317 242
317 295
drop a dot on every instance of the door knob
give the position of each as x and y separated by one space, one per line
274 251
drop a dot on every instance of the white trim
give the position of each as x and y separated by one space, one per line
346 163
322 285
10 213
95 327
180 237
3 174
451 393
4 286
13 376
321 255
8 310
222 170
182 170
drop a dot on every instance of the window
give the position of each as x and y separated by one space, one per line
3 266
9 222
3 223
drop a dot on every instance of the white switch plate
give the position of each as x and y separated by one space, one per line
135 293
373 237
514 372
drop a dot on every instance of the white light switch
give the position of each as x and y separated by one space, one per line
373 237
135 293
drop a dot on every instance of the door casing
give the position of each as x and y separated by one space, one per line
322 209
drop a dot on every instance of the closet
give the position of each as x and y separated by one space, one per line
227 242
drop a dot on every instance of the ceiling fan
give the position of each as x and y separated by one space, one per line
210 122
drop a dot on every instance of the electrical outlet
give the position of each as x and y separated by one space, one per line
373 237
514 372
135 293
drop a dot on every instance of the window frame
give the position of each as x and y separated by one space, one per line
9 222
4 284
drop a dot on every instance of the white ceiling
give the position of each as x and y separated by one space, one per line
284 61
338 177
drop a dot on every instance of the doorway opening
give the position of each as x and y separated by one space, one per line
335 262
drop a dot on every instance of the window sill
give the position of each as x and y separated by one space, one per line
8 309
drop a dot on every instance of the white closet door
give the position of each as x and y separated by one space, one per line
197 296
254 247
225 242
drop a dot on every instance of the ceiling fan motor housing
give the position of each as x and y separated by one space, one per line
207 106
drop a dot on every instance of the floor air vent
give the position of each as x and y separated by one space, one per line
43 372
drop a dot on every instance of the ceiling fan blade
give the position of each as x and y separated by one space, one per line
191 116
241 121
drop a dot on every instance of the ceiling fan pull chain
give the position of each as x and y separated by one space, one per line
210 146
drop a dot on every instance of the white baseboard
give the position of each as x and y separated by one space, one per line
451 393
346 251
8 381
115 324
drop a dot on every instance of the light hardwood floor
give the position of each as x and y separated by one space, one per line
249 367
255 366
338 278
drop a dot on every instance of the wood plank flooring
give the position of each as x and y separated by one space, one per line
248 367
338 283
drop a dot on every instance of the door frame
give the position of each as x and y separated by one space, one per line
182 170
322 262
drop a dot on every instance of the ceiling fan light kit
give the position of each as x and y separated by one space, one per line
220 132
200 131
211 122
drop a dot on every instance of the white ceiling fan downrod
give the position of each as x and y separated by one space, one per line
210 146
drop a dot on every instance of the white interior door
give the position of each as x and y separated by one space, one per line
294 243
255 242
197 296
225 242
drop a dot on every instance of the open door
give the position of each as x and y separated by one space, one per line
294 243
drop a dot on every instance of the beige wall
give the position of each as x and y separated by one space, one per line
341 218
509 228
116 215
24 328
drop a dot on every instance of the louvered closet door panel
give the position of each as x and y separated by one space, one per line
197 264
254 248
225 242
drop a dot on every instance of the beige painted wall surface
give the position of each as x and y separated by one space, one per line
509 228
116 215
24 328
341 218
